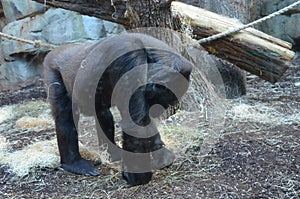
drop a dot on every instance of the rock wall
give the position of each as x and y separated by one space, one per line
287 26
33 21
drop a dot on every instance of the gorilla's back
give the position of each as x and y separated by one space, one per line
66 60
82 64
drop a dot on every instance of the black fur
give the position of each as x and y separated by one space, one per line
61 67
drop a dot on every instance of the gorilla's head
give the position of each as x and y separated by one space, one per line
168 77
164 75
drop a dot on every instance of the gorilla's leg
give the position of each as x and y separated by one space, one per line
161 157
138 164
139 111
106 122
67 136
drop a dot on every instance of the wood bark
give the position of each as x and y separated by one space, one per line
251 50
149 13
111 10
130 13
244 10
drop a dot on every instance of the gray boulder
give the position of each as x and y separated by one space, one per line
56 26
23 68
18 9
285 26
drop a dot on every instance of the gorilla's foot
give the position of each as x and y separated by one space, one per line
81 167
135 179
162 158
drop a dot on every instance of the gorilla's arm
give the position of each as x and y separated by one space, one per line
138 109
143 140
60 69
66 131
106 132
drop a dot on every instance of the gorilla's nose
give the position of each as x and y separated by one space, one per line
186 71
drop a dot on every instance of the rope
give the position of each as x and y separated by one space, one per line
39 43
36 43
235 30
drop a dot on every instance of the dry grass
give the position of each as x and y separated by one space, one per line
39 155
33 123
3 147
42 154
262 113
6 113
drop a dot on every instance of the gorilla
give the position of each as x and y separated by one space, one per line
138 74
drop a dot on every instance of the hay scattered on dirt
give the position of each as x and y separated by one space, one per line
261 113
97 156
3 147
181 131
5 113
41 154
31 108
34 123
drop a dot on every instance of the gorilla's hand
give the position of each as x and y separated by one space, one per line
135 179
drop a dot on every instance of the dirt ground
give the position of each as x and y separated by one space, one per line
256 156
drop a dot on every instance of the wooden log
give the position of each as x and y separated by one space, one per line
113 11
118 11
250 49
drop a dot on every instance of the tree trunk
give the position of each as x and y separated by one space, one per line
149 13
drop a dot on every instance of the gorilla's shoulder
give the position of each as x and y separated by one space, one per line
66 54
